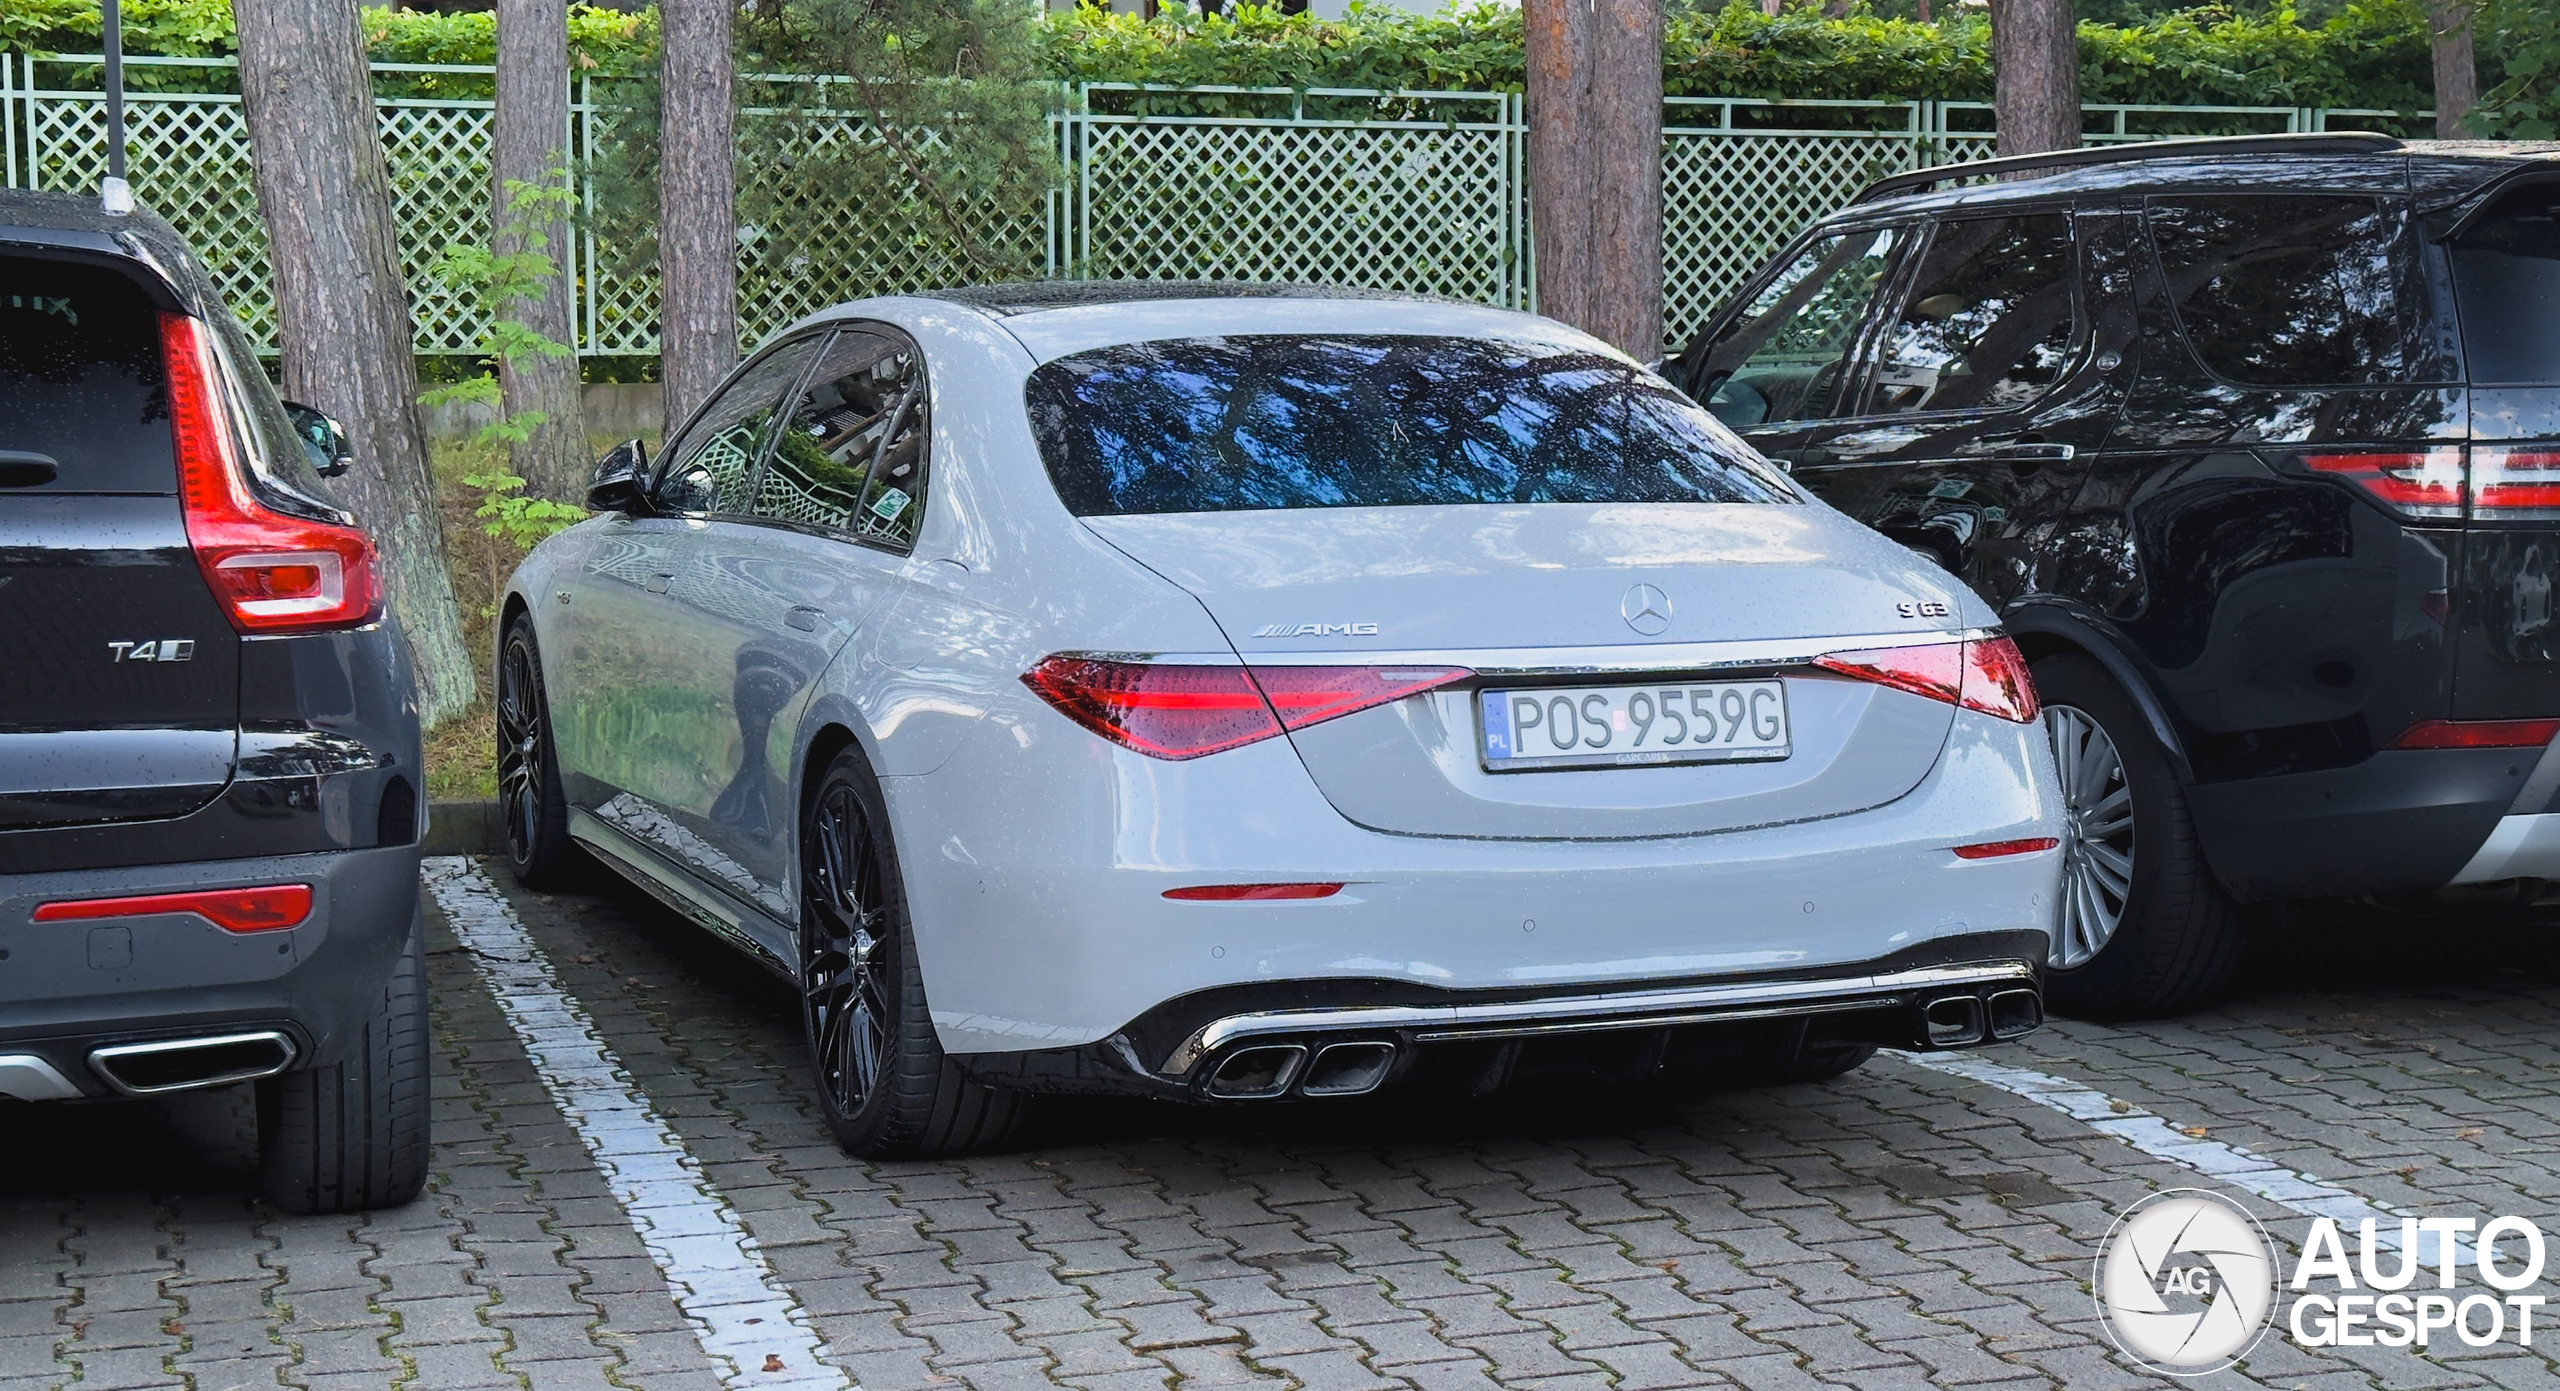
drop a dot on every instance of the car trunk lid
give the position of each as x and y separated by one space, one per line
1576 596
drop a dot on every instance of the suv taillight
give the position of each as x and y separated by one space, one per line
1175 710
2487 482
272 573
2421 483
1985 674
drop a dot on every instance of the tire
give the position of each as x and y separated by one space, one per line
884 1086
350 1134
530 799
2176 936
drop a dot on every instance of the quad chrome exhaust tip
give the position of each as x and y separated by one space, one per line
1265 1072
181 1064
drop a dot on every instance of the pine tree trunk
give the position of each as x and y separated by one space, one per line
1595 166
2035 58
697 204
2457 74
531 145
342 307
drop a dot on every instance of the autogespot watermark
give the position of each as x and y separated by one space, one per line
2187 1282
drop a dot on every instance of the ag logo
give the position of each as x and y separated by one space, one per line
2185 1282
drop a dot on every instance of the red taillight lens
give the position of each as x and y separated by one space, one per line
2421 483
1310 695
2477 734
1986 674
1251 893
1173 710
1994 849
272 573
263 909
2508 483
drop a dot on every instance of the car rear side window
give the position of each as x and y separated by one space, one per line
83 404
2296 289
853 457
2506 279
1260 422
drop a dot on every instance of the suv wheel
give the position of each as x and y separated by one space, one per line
529 795
350 1134
883 1082
2143 927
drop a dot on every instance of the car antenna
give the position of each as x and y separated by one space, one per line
115 196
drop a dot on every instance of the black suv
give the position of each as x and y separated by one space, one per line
2255 444
209 809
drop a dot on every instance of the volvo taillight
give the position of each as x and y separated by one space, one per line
1176 710
2515 482
1985 674
272 573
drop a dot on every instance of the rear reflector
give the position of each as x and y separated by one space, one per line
1986 674
2421 483
1251 893
233 910
272 573
2477 734
1994 849
1174 710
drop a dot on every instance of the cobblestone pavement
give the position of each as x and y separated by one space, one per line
1897 1228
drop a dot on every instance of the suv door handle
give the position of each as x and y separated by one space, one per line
659 581
804 617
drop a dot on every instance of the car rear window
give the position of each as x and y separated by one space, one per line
1251 423
2296 289
82 404
2506 279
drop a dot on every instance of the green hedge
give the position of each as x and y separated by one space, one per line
2373 53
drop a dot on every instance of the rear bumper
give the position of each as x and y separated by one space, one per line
1267 1041
2399 822
69 989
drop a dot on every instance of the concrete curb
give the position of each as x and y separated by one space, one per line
465 828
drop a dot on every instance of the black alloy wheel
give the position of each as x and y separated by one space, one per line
530 799
885 1086
844 951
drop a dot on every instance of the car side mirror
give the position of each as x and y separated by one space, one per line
323 438
617 483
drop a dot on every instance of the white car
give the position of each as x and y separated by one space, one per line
1240 694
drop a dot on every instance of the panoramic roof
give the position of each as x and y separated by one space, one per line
1034 296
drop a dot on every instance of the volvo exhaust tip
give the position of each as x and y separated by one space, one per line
1952 1021
1256 1074
2016 1014
1349 1069
179 1064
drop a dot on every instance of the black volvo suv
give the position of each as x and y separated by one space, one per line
209 785
2255 444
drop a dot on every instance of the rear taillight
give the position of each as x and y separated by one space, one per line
1176 710
2511 483
2477 734
265 909
1985 674
2487 482
2421 483
272 573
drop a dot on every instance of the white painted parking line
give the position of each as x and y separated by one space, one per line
2148 1132
746 1321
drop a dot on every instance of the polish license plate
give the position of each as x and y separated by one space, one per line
1605 726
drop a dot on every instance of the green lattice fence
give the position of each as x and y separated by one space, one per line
1427 191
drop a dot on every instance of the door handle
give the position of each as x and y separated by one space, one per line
804 618
659 581
2037 454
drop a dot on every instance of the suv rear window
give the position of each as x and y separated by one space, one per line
2295 289
82 403
1251 423
2506 278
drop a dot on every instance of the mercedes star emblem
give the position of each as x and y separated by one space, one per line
1647 610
